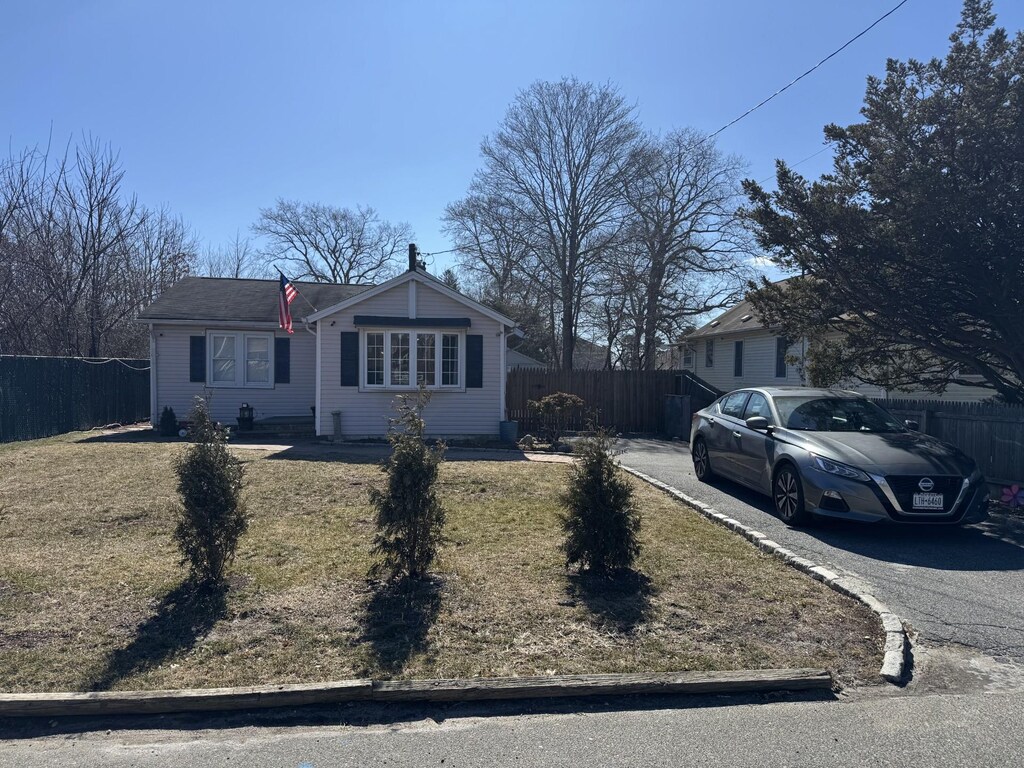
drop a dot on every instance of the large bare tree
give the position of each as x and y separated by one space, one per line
328 244
558 164
238 258
685 250
84 255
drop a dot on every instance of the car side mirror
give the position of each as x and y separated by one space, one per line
911 424
758 423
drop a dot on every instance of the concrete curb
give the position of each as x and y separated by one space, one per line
895 636
476 689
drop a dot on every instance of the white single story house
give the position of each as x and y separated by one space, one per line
736 350
355 347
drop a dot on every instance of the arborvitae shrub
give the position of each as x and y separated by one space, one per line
212 517
168 422
410 518
600 521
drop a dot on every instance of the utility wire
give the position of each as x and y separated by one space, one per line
798 162
796 80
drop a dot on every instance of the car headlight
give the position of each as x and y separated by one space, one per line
836 468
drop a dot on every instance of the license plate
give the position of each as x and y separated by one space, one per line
927 501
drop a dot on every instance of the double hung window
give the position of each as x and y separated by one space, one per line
240 359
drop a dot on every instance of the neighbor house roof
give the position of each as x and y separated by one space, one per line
233 299
516 359
738 318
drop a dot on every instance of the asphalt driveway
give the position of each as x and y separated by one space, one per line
960 586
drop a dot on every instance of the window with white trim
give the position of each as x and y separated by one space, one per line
240 359
405 359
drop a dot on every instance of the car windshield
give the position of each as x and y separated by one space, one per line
834 414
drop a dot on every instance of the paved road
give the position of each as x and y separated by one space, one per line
959 585
904 730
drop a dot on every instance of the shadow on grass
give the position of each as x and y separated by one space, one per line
622 600
185 614
397 619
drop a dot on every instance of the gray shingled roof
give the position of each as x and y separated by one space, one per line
730 321
225 298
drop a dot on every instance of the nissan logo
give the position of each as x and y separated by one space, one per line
926 484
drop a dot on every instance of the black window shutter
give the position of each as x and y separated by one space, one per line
282 360
197 358
474 361
350 358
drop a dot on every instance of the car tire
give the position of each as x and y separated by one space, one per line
702 460
788 496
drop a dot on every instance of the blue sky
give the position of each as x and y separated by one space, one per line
219 108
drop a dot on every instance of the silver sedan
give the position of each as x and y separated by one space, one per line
835 454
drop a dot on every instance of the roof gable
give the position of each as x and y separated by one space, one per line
422 279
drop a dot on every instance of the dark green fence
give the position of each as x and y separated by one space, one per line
42 396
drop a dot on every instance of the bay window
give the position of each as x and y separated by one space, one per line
404 359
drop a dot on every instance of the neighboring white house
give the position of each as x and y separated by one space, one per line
516 359
355 348
736 350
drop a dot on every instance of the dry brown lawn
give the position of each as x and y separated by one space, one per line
92 595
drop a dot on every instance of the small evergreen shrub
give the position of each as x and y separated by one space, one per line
410 518
212 516
600 522
554 411
168 422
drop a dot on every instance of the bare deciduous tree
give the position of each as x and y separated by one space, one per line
84 255
236 259
685 249
558 164
329 244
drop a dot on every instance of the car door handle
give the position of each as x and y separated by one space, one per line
736 434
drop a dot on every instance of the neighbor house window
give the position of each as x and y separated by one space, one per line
737 360
781 345
709 353
405 359
687 356
240 359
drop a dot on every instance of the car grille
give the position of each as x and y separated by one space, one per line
905 486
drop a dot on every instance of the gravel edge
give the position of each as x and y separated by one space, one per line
896 642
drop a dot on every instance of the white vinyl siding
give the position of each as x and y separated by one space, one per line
452 410
759 369
758 366
173 388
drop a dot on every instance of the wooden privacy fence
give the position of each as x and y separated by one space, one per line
993 435
626 401
42 396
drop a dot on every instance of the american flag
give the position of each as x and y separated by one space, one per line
288 294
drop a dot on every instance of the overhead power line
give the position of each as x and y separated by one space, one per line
796 80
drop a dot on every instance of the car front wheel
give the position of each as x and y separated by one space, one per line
788 495
701 460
